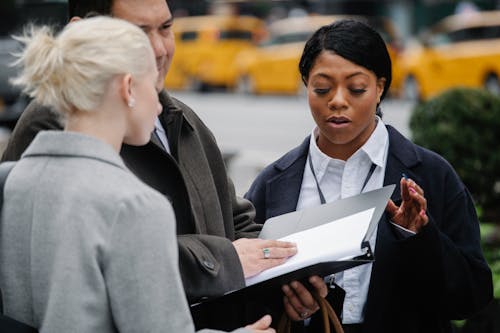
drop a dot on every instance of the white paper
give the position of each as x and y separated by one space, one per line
337 240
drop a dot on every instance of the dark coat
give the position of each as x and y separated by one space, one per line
420 283
208 213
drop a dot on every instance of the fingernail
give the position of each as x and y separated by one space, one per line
295 284
422 212
412 190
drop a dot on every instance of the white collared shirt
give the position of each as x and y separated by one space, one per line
161 134
341 179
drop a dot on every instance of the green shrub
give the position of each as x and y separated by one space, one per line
463 126
491 251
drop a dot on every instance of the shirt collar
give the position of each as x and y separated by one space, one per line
319 159
159 126
374 148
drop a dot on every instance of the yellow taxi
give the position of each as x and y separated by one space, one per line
206 48
460 50
272 68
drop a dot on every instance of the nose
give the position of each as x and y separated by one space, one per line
337 100
158 44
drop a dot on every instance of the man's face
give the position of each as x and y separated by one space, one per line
154 17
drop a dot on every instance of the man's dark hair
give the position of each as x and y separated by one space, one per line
86 8
354 41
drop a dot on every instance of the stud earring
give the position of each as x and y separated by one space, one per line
131 103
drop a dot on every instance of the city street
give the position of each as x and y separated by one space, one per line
256 130
253 131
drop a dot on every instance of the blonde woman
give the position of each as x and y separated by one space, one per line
85 246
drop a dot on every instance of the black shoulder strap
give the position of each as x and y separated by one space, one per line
9 324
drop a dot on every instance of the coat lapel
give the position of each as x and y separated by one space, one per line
156 140
403 158
185 147
283 190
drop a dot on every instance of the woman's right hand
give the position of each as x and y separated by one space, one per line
257 255
262 325
411 214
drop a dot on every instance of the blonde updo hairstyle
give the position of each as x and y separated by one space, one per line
73 69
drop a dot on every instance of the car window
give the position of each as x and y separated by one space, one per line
235 35
439 39
188 36
292 38
288 38
464 35
475 33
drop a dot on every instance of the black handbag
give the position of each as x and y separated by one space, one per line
8 324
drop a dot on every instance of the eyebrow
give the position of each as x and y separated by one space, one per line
326 76
168 21
355 74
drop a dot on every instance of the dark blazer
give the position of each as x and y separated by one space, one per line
420 283
209 215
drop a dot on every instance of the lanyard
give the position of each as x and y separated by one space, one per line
320 193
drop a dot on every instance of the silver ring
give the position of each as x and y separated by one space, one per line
267 253
304 315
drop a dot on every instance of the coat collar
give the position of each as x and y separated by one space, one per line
284 189
72 144
173 120
285 186
172 109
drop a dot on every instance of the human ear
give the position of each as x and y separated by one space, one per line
125 85
380 88
74 19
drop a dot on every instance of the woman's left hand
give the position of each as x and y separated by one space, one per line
299 302
412 212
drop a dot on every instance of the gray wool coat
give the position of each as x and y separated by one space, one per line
209 215
85 245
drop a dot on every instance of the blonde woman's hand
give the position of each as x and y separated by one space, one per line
257 255
411 214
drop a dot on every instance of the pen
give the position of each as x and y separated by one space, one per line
404 176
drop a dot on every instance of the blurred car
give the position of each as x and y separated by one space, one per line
273 67
460 50
206 48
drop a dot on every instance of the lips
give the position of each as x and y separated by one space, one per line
339 120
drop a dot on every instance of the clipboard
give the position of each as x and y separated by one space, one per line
333 236
373 203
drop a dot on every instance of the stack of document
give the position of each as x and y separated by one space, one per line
338 240
330 238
